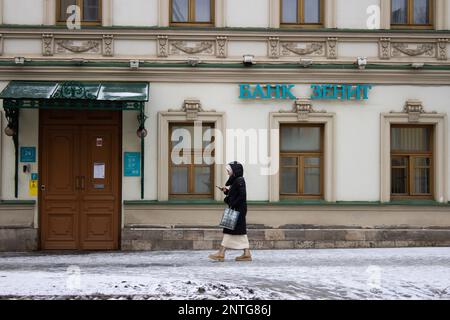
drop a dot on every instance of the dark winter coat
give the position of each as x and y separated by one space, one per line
236 198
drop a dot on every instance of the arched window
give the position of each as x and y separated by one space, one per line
90 11
303 13
192 12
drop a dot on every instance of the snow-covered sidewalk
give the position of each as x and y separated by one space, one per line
410 273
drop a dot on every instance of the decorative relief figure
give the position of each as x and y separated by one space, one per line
302 49
48 44
385 48
221 47
192 47
413 50
274 47
108 45
78 46
163 51
332 48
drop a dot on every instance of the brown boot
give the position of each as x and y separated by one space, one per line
219 256
245 257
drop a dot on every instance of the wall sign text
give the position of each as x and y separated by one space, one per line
319 91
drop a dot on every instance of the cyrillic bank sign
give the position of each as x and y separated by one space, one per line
319 91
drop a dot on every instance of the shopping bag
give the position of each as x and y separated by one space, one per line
229 219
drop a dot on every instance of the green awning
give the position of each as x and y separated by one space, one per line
101 91
76 95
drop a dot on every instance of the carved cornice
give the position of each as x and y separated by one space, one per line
228 75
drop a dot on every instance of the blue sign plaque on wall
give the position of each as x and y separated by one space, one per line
132 164
28 154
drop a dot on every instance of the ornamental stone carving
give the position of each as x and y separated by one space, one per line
163 46
332 48
302 49
442 49
221 47
192 47
192 107
385 48
48 45
78 46
413 49
414 109
303 108
274 47
108 45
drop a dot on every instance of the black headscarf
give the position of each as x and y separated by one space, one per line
238 171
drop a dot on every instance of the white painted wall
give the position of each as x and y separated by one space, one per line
357 131
357 49
447 27
23 12
22 46
133 48
239 48
135 13
248 13
352 14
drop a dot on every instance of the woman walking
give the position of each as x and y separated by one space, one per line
236 198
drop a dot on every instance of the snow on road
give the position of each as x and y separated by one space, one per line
409 273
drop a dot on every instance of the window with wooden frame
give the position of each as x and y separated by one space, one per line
301 161
191 167
90 11
302 13
192 12
412 161
412 14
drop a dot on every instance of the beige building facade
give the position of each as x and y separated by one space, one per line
340 106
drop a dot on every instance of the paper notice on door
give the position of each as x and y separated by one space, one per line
99 170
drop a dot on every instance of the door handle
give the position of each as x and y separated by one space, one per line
42 187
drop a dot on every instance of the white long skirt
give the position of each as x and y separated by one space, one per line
236 242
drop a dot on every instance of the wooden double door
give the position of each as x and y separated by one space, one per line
80 179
